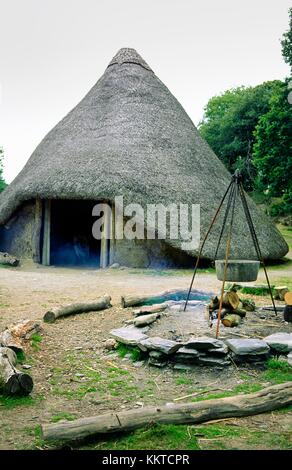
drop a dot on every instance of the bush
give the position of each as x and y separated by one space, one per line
282 208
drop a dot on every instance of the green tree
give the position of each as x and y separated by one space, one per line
2 182
229 122
286 42
272 150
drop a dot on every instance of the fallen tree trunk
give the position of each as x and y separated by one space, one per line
7 259
268 399
144 320
149 309
12 381
151 299
100 304
14 335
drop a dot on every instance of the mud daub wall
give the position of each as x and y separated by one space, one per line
147 254
16 236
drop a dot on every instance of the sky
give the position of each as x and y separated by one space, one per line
53 51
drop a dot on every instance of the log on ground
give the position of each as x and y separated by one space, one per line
268 399
15 335
231 320
280 292
7 259
150 299
101 303
149 309
12 381
231 300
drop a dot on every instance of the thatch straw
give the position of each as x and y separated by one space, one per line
129 136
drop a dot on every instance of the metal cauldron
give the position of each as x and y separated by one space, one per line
238 270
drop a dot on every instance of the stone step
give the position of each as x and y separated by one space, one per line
156 343
128 335
280 342
250 346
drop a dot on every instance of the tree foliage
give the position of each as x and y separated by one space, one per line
286 42
2 182
229 123
272 151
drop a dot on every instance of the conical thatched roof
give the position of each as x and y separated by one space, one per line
129 136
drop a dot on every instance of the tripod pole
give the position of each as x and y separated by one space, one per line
204 241
255 241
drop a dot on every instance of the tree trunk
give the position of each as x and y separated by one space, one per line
100 304
268 399
137 300
6 258
231 320
149 309
14 335
144 320
12 381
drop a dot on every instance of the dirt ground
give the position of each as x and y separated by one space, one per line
75 377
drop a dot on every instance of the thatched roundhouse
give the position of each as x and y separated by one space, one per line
128 137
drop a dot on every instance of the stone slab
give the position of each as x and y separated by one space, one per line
280 342
251 347
156 343
128 335
203 343
214 361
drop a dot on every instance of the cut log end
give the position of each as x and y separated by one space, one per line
18 384
49 317
12 381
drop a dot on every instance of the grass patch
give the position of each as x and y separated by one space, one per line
12 402
35 341
262 291
62 415
184 380
277 371
135 353
20 357
155 437
287 234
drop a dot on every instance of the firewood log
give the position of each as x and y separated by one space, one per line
224 312
101 303
231 320
12 381
288 298
240 312
15 335
214 304
268 399
136 300
7 259
280 292
149 309
231 300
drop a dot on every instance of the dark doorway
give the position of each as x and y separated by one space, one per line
71 240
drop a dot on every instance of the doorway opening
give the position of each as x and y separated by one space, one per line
67 235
